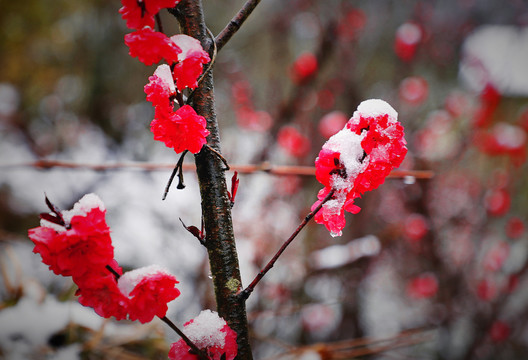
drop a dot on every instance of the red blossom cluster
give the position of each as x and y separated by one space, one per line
357 159
77 243
209 333
182 129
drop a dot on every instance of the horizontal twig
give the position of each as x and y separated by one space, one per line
241 168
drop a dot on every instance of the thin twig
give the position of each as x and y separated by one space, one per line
244 294
241 168
235 23
202 355
177 170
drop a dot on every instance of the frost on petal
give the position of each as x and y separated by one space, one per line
148 289
210 333
160 89
357 159
150 46
190 61
83 207
180 130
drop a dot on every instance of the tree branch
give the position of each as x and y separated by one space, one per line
216 206
235 23
247 291
240 168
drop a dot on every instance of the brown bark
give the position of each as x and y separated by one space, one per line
216 206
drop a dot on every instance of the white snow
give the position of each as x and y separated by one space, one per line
509 136
187 44
130 279
82 207
163 72
376 107
409 33
497 55
348 144
205 329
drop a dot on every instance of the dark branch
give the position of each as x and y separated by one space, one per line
235 23
247 291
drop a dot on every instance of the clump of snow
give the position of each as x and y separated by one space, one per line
497 55
409 33
376 107
164 73
82 207
348 144
205 330
130 279
187 44
509 136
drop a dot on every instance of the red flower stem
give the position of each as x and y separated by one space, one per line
200 353
188 341
244 294
235 23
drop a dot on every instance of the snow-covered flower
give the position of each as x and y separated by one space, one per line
190 61
357 159
148 290
78 243
209 333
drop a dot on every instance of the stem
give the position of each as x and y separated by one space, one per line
247 291
216 206
200 353
235 23
177 170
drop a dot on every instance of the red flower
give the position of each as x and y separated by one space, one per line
150 46
304 67
408 36
101 293
499 331
291 140
140 13
210 333
160 89
423 286
190 61
357 159
180 130
82 245
148 290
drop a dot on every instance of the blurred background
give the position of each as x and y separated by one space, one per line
431 268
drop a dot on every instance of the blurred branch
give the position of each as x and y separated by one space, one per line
241 168
235 23
349 349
